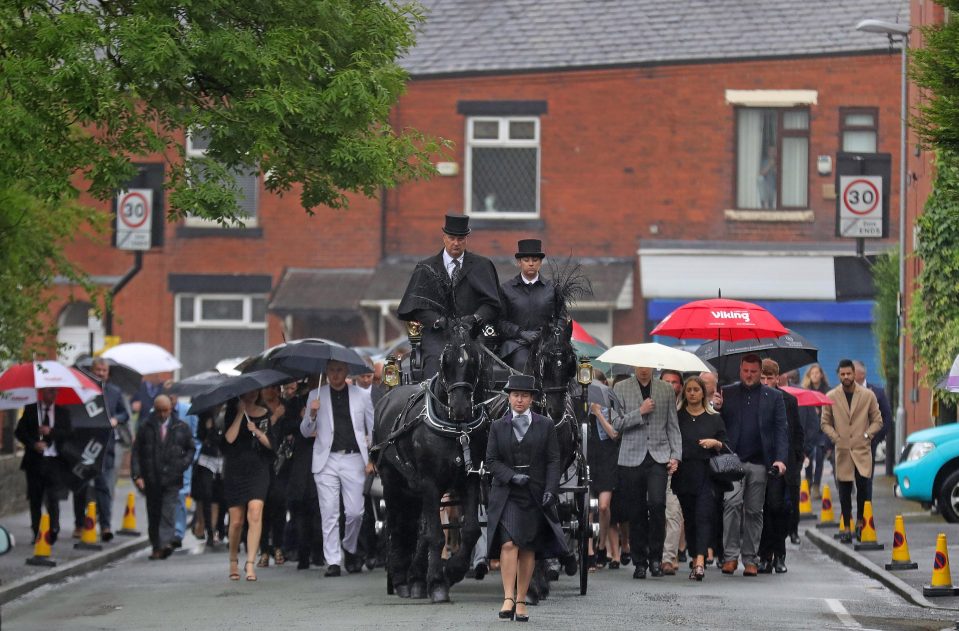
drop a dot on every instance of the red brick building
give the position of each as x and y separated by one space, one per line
675 150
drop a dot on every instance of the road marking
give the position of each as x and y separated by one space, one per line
847 620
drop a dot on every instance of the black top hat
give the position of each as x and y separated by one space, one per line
521 383
530 247
457 225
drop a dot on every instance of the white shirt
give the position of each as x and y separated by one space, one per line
448 262
51 449
530 282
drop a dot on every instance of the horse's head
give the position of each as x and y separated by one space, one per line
460 370
555 365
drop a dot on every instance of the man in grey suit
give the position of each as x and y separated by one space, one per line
650 449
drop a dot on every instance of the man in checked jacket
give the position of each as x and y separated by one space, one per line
650 449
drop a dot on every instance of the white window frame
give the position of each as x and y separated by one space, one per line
246 322
502 140
203 222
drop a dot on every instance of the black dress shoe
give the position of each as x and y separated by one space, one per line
681 557
480 570
166 552
176 543
655 569
625 559
333 570
765 566
106 535
779 564
303 564
794 539
639 572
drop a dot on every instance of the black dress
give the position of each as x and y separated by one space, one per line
247 465
691 483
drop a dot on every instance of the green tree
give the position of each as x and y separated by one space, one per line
885 278
297 90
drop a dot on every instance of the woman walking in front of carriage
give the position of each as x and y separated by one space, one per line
523 456
703 434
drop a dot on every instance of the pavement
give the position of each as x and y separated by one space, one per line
18 578
922 529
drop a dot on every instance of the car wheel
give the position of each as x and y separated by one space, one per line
949 498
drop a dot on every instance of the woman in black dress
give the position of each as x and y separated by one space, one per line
207 488
523 456
704 434
274 510
603 455
247 458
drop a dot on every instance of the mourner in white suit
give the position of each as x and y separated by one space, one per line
341 417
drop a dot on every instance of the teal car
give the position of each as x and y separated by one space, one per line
928 469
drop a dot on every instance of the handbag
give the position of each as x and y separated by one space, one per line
726 467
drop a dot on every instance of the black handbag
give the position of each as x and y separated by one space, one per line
726 467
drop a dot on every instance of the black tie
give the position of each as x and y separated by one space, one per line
45 416
455 276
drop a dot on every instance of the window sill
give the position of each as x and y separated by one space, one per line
197 232
479 222
771 216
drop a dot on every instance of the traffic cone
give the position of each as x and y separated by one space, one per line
941 575
900 549
805 505
827 517
867 537
88 535
129 528
842 528
42 547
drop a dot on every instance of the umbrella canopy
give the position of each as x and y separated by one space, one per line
144 358
720 319
123 377
19 383
192 386
311 358
235 386
812 398
654 355
268 359
789 351
585 345
952 379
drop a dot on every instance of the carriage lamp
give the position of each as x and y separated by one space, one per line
414 330
584 374
391 372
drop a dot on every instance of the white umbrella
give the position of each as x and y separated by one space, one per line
654 355
144 358
952 379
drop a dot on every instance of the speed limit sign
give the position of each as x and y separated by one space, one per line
860 206
134 219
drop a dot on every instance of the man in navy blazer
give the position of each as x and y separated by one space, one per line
885 410
755 418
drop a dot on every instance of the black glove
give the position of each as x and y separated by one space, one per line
520 479
439 324
548 499
529 336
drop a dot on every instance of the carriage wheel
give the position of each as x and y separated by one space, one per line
584 532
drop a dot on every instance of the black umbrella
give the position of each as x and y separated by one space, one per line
235 386
192 386
267 359
312 358
123 377
790 351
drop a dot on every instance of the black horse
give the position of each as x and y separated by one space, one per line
431 439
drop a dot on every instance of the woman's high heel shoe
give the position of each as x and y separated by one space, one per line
519 616
250 572
507 614
234 569
699 571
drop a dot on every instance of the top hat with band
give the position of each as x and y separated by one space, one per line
530 247
521 383
457 225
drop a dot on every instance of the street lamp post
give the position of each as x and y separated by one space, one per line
898 32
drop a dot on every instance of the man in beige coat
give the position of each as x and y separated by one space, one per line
850 423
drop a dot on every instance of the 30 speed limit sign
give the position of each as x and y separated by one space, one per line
860 206
134 219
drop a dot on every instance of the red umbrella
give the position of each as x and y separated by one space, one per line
19 383
720 319
804 397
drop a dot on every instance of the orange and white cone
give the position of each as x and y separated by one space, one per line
42 548
900 548
88 535
805 504
941 584
827 516
867 537
129 525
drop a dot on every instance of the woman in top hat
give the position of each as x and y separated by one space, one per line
523 457
529 303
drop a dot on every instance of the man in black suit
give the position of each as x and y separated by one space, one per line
474 295
755 418
782 492
44 429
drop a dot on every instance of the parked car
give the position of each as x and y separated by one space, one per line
928 469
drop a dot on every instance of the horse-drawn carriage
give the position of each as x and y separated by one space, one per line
430 442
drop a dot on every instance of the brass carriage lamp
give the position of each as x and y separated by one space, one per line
391 372
584 374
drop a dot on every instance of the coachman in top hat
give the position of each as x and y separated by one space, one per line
475 291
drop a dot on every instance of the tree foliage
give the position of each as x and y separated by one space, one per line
885 278
935 68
